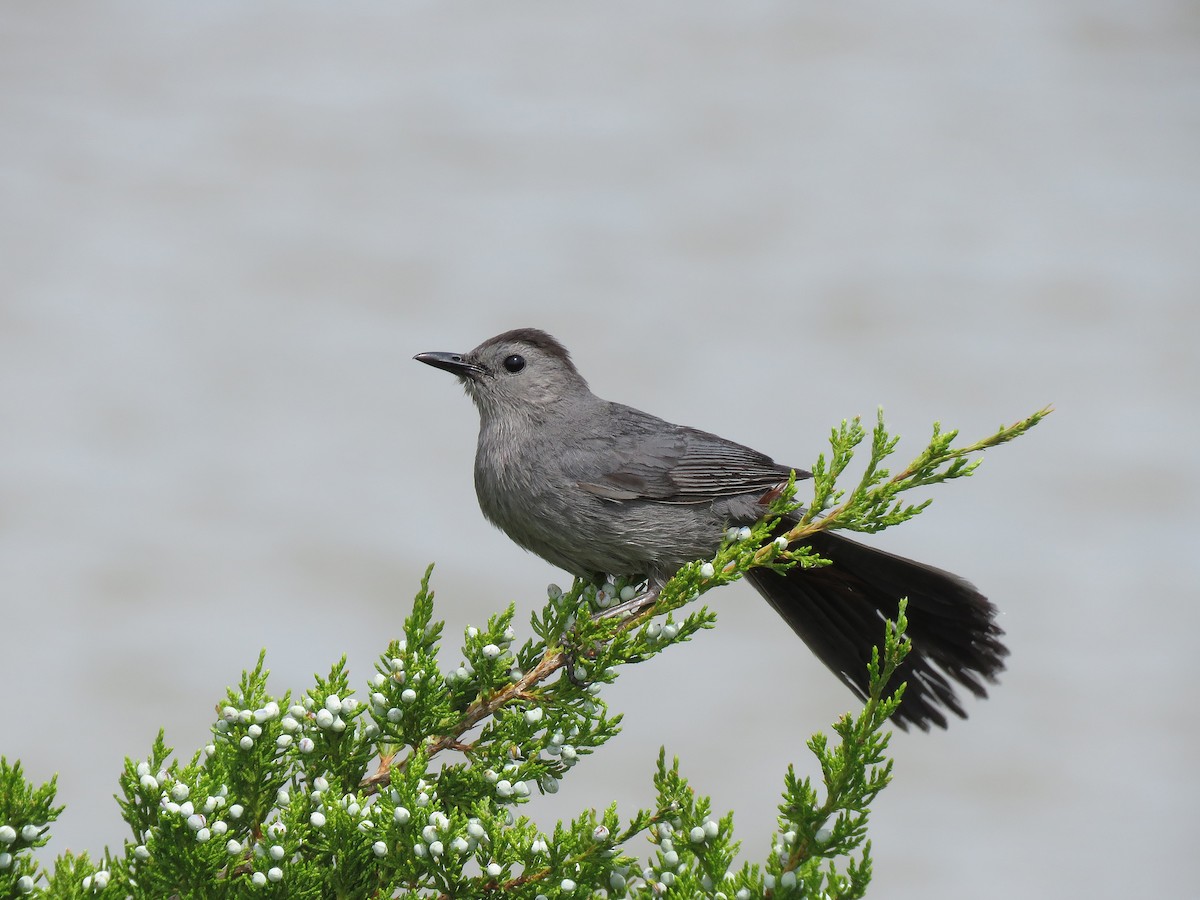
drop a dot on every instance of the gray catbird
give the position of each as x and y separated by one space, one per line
600 488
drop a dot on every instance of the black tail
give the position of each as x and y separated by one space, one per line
839 611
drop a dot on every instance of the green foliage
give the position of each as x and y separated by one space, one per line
872 504
815 832
25 816
414 787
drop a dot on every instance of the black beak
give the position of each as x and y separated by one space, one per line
454 363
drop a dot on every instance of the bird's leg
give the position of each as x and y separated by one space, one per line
634 605
626 610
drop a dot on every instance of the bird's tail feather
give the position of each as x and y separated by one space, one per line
839 611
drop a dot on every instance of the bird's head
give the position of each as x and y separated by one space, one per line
524 370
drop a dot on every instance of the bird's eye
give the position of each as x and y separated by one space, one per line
514 363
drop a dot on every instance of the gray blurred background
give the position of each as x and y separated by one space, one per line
226 228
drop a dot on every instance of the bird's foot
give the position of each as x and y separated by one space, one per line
576 657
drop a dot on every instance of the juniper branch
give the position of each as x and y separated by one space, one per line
873 505
479 710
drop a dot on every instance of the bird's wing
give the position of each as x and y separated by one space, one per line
675 464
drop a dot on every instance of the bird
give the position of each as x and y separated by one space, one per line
599 489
